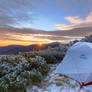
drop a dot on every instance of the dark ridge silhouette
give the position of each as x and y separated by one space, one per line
15 49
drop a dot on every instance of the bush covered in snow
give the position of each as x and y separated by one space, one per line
16 72
52 55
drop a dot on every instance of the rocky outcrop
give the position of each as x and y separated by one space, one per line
87 39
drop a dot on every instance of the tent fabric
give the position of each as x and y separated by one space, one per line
77 62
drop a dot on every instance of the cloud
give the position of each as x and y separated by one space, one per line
32 35
15 36
89 18
76 22
16 12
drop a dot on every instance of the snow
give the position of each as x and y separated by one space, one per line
57 83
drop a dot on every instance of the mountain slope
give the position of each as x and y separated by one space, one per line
15 49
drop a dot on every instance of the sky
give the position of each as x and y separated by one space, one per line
32 17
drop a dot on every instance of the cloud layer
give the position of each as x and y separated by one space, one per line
32 36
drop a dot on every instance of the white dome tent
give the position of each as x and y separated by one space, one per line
77 64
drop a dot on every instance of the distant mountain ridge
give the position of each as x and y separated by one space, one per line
15 49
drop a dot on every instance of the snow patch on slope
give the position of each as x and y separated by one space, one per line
56 83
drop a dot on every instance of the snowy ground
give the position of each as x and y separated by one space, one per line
56 83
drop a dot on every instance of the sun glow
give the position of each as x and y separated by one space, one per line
26 39
40 44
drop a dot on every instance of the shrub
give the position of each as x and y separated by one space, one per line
54 55
17 75
50 59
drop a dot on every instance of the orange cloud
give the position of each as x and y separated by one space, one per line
76 22
64 26
89 17
23 39
6 43
13 36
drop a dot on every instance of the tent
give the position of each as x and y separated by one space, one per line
77 64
